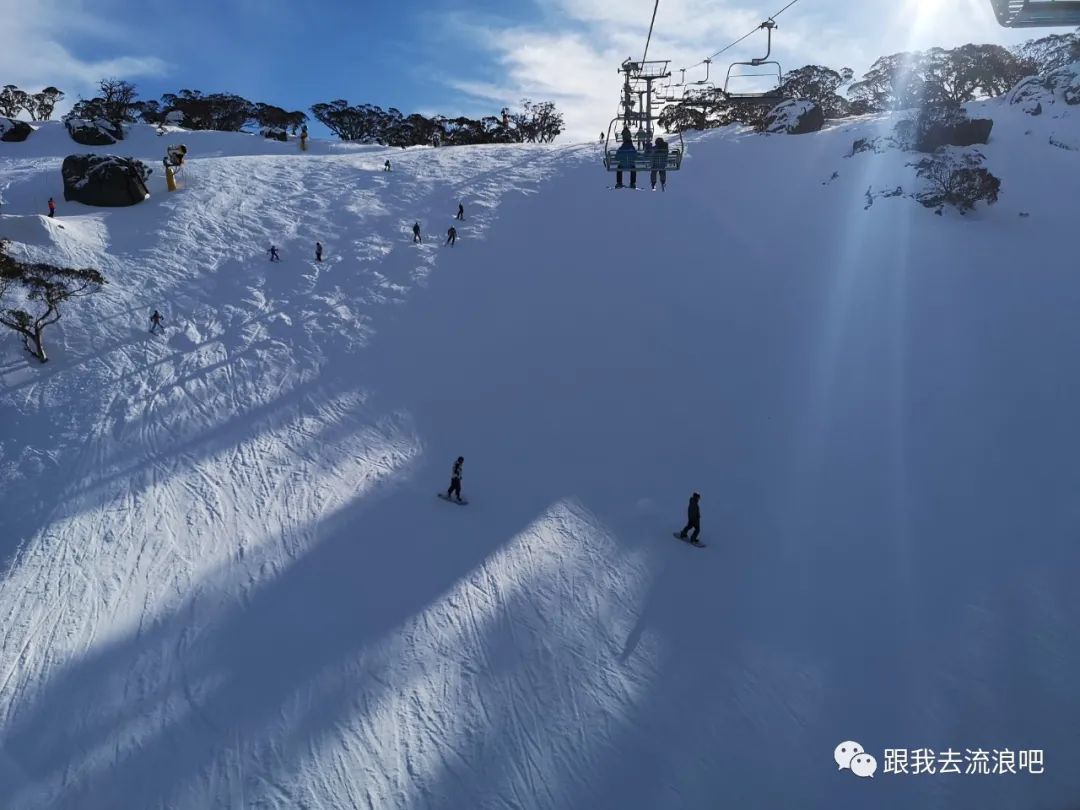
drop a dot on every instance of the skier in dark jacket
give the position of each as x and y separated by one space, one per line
386 166
693 519
52 207
318 251
625 157
659 164
416 233
155 322
274 254
451 236
460 211
455 479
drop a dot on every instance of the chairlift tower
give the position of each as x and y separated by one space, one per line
638 78
636 114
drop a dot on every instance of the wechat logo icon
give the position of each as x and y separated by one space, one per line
853 756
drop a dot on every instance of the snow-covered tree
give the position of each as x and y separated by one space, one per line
31 296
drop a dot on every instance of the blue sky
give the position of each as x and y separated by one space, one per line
436 56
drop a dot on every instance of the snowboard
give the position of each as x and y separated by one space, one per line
462 502
687 540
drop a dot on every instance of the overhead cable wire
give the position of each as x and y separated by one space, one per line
740 39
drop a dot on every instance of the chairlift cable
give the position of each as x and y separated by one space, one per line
651 23
740 39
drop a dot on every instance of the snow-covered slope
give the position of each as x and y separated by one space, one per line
226 581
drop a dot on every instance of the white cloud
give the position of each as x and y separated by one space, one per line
573 56
35 47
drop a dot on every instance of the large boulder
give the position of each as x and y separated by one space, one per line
935 127
12 131
105 180
93 133
274 133
959 132
1035 93
795 117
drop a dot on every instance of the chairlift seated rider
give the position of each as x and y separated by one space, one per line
625 157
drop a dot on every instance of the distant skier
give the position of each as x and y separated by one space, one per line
416 237
386 166
318 251
52 207
155 322
693 519
455 479
274 257
451 236
601 136
460 212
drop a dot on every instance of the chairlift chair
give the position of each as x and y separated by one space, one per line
767 97
1036 13
643 161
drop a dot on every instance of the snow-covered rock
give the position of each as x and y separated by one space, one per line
1035 93
93 133
12 131
275 133
105 180
795 117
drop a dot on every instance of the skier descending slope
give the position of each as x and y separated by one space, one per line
155 322
416 233
455 482
693 520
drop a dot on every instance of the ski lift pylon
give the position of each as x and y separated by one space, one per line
637 118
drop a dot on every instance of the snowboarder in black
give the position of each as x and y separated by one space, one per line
455 479
693 519
52 207
451 236
274 254
416 233
386 166
155 322
318 251
460 211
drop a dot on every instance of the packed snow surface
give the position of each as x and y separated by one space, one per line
226 581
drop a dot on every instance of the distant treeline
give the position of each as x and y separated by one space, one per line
118 103
935 77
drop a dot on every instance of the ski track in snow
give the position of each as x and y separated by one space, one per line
228 582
